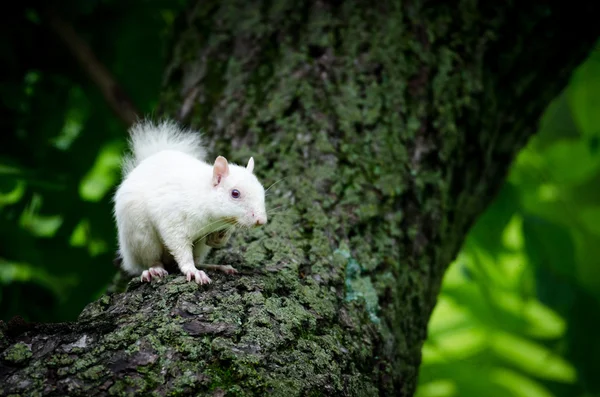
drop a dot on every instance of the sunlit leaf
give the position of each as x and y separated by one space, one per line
519 385
74 119
570 162
82 237
532 357
512 236
37 224
14 195
460 343
447 315
79 235
17 271
438 388
104 174
540 320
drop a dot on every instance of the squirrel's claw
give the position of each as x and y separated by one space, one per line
153 272
197 275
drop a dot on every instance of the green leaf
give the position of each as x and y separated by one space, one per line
532 357
568 163
8 196
519 385
20 272
36 223
584 97
104 174
438 388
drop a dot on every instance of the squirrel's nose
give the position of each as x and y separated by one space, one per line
260 220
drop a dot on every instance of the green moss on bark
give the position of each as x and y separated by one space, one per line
17 354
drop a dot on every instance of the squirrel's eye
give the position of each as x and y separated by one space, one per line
235 193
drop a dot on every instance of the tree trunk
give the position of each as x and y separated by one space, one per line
393 125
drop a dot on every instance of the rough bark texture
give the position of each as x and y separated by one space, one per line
393 124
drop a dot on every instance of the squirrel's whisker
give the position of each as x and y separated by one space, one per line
273 184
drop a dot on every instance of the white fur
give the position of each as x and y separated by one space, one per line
146 139
167 203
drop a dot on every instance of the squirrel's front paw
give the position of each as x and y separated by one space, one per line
197 275
153 272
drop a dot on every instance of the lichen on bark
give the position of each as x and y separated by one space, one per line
384 129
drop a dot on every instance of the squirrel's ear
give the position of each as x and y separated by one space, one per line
250 166
220 170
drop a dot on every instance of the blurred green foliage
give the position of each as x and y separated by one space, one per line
519 311
519 308
61 147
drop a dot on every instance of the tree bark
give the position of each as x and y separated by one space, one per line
393 125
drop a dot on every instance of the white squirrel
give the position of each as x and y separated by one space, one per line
172 205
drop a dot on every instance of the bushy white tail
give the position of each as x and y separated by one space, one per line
147 138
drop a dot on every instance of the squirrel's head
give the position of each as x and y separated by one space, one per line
239 193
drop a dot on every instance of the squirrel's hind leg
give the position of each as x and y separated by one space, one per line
201 249
227 269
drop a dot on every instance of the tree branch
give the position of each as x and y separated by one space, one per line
114 95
